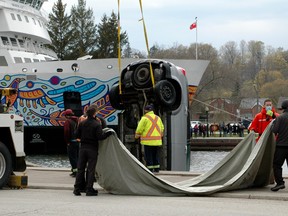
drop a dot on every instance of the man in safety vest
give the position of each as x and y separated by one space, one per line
150 130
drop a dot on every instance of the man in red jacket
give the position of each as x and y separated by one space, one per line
262 119
70 128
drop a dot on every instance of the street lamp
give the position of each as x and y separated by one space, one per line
207 115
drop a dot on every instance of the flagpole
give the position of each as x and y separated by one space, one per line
196 39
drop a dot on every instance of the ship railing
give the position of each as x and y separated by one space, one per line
31 49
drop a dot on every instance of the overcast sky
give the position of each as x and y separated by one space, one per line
219 21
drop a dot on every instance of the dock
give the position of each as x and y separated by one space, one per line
214 143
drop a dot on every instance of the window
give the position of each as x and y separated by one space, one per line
27 60
26 18
13 42
19 17
39 23
39 4
5 41
29 2
13 16
35 60
21 42
18 60
34 21
3 61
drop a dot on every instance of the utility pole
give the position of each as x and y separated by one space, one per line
207 116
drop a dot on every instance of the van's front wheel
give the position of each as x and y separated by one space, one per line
5 165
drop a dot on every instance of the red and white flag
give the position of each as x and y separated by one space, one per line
193 25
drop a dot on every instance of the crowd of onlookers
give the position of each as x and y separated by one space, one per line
215 129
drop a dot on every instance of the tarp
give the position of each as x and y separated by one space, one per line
249 164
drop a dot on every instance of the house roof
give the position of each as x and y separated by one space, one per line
249 103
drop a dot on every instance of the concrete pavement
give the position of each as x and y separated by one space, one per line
58 178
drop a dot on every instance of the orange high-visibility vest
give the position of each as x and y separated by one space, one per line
150 129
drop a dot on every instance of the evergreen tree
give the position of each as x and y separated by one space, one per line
107 41
127 52
84 30
59 30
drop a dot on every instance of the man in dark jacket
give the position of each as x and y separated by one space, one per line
280 128
70 128
89 132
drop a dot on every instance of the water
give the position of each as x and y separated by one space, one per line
201 161
51 161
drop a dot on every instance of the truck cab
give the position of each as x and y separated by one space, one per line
12 155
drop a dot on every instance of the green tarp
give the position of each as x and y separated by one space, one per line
247 165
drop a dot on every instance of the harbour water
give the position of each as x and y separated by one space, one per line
201 161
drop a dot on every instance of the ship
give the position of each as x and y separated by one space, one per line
47 86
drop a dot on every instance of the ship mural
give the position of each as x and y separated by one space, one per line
42 80
41 103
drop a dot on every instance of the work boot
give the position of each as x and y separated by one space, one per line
91 192
278 187
73 174
76 192
156 170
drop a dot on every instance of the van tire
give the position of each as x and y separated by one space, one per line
5 165
115 99
165 93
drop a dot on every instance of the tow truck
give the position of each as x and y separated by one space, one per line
12 155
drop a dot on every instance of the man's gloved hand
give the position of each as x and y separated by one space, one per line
269 113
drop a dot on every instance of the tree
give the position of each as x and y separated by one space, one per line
229 53
107 41
275 89
84 30
127 53
59 30
257 53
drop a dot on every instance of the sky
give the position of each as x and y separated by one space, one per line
218 21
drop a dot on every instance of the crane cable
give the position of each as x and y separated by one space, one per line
146 41
147 44
119 47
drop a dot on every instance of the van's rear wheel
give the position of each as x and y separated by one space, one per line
5 165
165 93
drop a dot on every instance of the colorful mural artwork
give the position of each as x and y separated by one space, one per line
40 101
192 92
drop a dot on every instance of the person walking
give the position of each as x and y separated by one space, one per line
70 128
150 131
280 129
262 119
89 132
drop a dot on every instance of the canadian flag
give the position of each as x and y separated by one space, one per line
193 25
